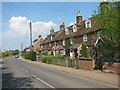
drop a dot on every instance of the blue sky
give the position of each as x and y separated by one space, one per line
40 13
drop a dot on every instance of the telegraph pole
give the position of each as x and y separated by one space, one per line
21 47
30 36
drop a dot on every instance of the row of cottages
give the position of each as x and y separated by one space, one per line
77 33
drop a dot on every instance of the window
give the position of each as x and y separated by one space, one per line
51 37
88 23
63 42
84 37
41 46
71 40
55 43
74 27
49 44
66 31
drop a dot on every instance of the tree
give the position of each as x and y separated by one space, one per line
67 46
84 50
15 52
107 18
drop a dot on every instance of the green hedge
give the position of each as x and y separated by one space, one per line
30 55
52 59
44 53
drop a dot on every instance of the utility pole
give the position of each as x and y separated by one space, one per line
30 36
21 47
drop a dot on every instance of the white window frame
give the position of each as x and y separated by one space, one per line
55 43
66 31
71 40
74 28
41 46
85 38
49 44
88 25
51 37
63 42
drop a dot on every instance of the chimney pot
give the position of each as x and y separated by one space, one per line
39 36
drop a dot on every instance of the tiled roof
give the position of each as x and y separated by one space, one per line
35 40
60 35
74 46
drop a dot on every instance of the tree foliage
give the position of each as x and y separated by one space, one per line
84 50
67 46
14 52
107 17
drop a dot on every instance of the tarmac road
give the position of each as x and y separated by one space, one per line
17 73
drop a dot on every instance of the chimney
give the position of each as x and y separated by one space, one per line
103 1
62 26
39 36
78 17
103 4
52 31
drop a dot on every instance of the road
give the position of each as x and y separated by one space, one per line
20 74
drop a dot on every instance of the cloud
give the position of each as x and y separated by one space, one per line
71 24
43 28
59 18
19 26
19 29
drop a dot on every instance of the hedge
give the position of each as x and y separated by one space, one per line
30 55
52 59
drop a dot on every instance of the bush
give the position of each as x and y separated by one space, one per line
84 51
44 53
30 55
26 55
51 59
4 54
33 56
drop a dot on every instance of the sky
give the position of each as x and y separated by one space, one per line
43 15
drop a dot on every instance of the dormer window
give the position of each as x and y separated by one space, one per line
63 42
88 23
71 40
51 37
74 27
85 38
66 31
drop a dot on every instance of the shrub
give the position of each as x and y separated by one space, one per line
26 55
33 56
51 59
44 53
84 50
30 55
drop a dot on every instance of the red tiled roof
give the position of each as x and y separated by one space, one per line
74 46
60 35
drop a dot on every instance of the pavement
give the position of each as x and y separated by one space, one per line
103 77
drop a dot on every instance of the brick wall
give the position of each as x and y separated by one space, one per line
86 64
112 67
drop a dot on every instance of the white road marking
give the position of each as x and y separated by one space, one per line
24 70
3 70
43 81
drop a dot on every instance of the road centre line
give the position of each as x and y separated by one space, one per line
43 81
24 70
